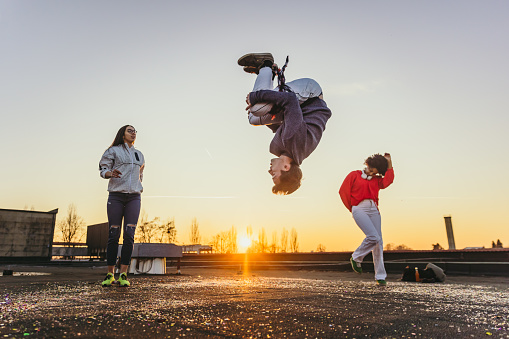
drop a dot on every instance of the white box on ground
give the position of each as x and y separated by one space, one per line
147 266
151 258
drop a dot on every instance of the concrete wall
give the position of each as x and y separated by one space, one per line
26 235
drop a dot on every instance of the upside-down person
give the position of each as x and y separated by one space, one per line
294 111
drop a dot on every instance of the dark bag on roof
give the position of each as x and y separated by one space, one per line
432 273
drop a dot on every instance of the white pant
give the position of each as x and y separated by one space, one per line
304 89
367 217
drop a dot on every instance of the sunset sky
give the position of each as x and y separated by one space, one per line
427 81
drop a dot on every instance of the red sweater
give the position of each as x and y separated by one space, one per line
355 189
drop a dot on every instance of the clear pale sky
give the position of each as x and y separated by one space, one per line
427 81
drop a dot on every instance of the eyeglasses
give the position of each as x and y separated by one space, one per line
132 131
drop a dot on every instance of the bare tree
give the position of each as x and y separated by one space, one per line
225 242
194 236
168 231
215 243
262 241
393 247
320 248
72 225
437 247
232 240
146 230
294 243
220 242
284 240
273 245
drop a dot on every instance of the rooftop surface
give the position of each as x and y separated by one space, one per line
65 302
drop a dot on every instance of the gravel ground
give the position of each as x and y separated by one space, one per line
64 302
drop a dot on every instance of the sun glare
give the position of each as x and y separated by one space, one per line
244 243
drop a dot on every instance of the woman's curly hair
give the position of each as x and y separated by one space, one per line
379 162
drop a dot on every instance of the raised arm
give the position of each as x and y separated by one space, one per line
389 175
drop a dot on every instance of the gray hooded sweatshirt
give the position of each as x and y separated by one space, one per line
130 162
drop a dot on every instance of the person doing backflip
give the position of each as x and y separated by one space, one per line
359 193
294 111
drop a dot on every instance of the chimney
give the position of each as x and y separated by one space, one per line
450 234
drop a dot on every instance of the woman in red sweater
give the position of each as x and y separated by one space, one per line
359 193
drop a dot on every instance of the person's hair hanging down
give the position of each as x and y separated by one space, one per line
119 138
379 162
289 181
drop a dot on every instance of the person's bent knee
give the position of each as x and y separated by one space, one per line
373 239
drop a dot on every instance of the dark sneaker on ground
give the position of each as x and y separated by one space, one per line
255 59
356 268
109 280
122 280
381 282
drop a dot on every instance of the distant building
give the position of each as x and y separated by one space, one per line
26 235
196 248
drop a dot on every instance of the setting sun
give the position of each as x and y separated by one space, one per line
244 243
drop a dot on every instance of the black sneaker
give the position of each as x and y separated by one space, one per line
256 60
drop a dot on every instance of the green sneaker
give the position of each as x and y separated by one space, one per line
381 282
122 280
255 60
356 268
109 280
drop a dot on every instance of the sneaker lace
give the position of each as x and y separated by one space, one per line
281 81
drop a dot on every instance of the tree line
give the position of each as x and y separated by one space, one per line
157 230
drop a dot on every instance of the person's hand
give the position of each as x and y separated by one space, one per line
113 174
389 160
248 102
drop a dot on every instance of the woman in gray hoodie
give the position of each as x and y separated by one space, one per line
123 166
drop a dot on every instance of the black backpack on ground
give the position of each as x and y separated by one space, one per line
432 273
